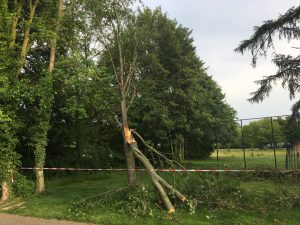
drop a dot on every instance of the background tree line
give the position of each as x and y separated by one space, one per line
258 133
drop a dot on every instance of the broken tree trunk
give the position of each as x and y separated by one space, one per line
159 183
128 153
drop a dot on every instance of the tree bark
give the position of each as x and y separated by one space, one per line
18 9
40 180
5 192
54 39
158 182
128 152
25 45
162 193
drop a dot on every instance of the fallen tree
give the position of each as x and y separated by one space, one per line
160 184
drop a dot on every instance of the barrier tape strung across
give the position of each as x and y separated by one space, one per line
162 170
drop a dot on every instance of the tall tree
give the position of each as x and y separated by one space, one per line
42 132
112 33
9 159
111 18
286 26
31 26
36 82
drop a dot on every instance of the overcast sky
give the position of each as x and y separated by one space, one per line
218 27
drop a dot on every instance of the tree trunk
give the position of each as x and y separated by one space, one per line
128 152
26 40
5 192
54 39
18 10
40 181
172 150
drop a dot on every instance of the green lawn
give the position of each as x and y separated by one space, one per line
234 159
63 192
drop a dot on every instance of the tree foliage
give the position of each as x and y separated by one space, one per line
110 62
258 134
177 105
286 27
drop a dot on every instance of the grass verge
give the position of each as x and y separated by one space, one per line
262 201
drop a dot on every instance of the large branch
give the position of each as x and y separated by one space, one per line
288 72
158 182
131 71
132 98
262 39
54 39
170 162
17 13
26 40
106 46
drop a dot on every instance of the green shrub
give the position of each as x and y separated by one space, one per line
21 186
211 191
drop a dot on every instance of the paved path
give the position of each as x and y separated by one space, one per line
7 219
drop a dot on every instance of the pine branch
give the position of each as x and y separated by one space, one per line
296 111
288 72
286 25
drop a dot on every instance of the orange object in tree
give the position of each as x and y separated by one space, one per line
128 136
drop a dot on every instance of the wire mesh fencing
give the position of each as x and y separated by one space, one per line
261 143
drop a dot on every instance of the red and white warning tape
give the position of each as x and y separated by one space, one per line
158 170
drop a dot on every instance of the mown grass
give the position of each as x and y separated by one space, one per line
63 192
234 159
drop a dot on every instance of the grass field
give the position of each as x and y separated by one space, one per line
63 192
234 159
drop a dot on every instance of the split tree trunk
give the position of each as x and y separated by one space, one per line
5 192
159 183
128 152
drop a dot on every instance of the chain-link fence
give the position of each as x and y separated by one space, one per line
264 143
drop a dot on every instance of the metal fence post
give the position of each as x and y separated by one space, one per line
243 142
273 143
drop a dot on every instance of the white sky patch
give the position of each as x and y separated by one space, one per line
218 28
